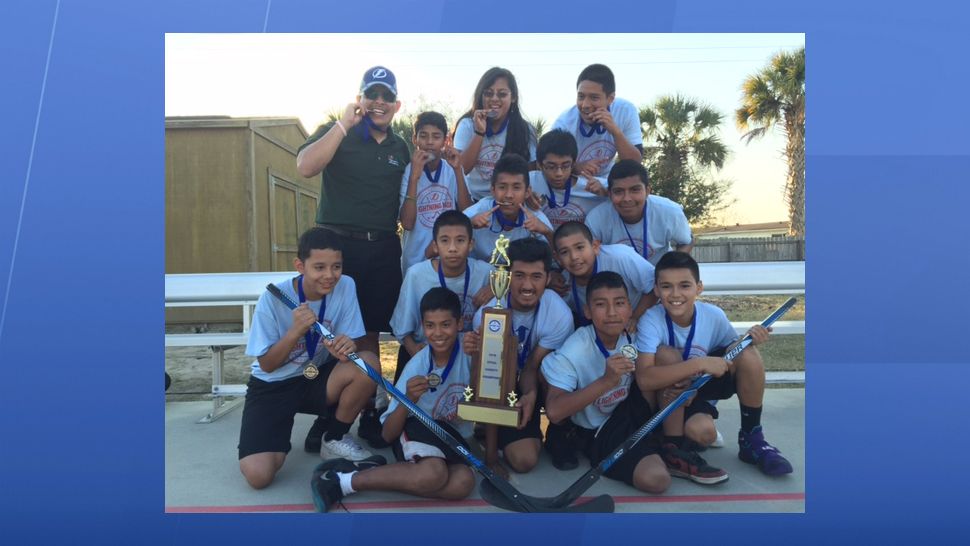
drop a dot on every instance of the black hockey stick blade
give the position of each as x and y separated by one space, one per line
602 504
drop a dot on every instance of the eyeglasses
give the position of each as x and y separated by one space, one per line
502 95
379 91
552 167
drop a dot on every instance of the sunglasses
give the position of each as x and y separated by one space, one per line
379 91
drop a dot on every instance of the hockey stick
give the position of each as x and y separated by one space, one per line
589 478
509 495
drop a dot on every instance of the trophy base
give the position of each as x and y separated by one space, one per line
488 413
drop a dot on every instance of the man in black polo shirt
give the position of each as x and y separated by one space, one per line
362 162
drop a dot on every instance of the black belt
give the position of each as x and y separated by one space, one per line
361 235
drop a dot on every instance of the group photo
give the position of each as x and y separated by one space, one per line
485 273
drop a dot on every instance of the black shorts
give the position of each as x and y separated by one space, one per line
375 267
629 415
507 435
717 388
267 419
415 431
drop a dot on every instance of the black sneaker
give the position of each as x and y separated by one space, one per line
688 464
326 491
346 465
369 429
314 436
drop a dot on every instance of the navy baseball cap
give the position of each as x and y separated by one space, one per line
378 75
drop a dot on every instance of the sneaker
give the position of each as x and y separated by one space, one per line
325 488
369 429
346 465
344 448
314 437
688 464
719 441
559 444
753 449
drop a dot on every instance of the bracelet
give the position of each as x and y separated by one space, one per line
479 134
341 126
406 197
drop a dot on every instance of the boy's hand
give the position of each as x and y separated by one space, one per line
533 224
418 159
713 365
604 118
479 119
303 319
528 404
482 296
594 186
484 219
759 334
471 343
631 325
451 155
353 113
557 283
616 367
590 168
416 386
341 346
534 201
429 251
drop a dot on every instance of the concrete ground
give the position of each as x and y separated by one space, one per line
202 471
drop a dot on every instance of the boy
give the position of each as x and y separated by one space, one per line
603 125
541 322
428 467
594 395
506 211
685 337
429 187
556 191
452 269
634 216
581 257
296 370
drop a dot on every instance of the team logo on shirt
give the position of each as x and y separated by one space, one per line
494 325
601 149
606 403
560 215
431 202
446 407
637 245
487 157
391 160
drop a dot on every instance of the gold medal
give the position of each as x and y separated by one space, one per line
630 352
311 372
434 380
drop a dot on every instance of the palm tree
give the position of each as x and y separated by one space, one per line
681 143
776 95
539 125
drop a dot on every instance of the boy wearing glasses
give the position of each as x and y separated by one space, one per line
604 125
362 161
651 224
556 191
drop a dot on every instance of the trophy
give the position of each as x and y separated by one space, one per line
490 397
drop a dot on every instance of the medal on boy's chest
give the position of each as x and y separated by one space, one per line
434 380
630 352
310 371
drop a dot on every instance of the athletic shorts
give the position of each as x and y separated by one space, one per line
627 418
418 442
267 419
718 388
507 435
375 267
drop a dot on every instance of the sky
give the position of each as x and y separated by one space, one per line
309 75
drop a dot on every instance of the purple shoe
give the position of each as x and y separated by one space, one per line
753 449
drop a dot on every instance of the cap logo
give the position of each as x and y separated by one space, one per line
379 73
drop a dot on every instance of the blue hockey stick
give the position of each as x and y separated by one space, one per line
510 498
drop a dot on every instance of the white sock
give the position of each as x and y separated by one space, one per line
345 479
380 399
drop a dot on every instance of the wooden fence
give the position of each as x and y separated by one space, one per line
761 249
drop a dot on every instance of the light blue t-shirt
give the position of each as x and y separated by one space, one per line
432 199
549 329
479 180
443 402
485 237
579 204
637 273
713 331
601 145
422 277
667 227
272 319
576 365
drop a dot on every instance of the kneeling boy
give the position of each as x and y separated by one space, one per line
434 380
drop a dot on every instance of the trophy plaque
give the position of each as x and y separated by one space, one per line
490 397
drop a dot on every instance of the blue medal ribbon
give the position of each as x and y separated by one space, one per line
596 128
565 197
451 362
488 127
464 292
312 337
672 341
366 125
437 174
583 321
525 343
602 348
646 247
505 224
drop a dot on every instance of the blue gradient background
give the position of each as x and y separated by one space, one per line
81 408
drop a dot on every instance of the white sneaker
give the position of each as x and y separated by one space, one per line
719 441
344 448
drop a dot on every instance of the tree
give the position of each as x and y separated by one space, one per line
776 96
682 152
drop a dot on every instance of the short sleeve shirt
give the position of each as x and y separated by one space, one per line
666 227
479 180
601 145
485 237
557 207
713 331
432 199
